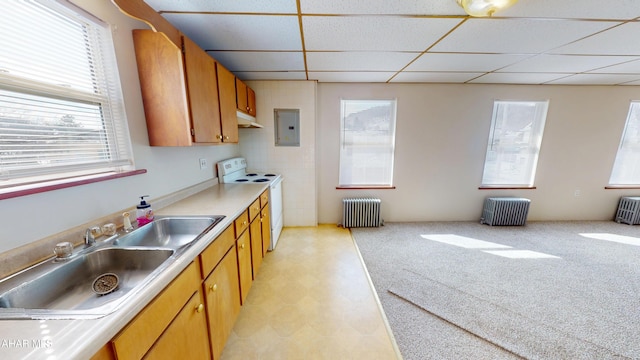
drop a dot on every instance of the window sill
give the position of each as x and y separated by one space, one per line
41 187
364 187
622 187
507 188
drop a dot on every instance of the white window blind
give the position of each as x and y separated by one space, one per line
61 104
514 143
626 168
367 139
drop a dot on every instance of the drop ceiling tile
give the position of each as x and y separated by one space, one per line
596 79
244 6
271 75
517 78
564 63
260 60
516 36
621 40
574 9
406 7
625 68
240 32
350 76
463 62
434 77
373 33
358 61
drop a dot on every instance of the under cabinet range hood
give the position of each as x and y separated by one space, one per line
246 120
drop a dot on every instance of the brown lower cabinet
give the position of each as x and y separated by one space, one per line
186 337
194 315
174 311
223 300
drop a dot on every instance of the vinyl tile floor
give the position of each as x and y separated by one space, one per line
312 299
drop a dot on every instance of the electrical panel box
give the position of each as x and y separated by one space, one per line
287 126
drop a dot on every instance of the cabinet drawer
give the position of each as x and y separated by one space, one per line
254 209
212 255
143 331
241 223
264 198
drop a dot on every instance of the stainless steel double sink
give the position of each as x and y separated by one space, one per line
55 289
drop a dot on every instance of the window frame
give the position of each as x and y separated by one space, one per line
105 96
625 151
342 156
542 107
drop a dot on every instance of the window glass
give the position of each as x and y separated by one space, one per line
61 105
626 168
514 143
367 141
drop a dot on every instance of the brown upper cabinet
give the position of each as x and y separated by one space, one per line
245 98
226 89
185 95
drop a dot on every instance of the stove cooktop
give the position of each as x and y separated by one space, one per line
255 177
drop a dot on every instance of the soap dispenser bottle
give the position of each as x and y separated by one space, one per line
144 212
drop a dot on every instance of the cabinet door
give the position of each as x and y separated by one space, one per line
243 246
227 96
144 330
255 231
164 93
241 96
186 337
222 293
251 101
265 222
203 93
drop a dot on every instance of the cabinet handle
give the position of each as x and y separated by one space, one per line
241 246
226 137
244 223
199 308
219 137
213 287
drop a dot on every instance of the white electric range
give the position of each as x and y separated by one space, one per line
235 171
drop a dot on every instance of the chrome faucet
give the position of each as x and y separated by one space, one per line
88 238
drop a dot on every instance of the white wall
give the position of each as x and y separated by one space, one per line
296 164
441 140
29 218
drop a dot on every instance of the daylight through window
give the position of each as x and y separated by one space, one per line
61 107
514 143
367 141
626 168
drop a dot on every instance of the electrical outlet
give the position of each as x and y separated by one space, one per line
203 164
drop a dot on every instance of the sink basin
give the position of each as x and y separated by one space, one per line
171 232
67 288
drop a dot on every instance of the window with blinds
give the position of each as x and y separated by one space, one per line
367 143
61 105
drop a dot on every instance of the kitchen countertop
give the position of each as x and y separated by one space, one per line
81 339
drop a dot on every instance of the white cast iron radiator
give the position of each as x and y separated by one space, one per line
361 212
505 211
628 210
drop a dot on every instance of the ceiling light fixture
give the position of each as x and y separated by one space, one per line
482 8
